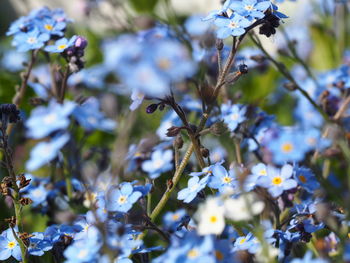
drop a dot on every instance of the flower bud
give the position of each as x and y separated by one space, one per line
151 108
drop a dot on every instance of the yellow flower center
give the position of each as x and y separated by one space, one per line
193 253
213 219
277 180
11 244
262 172
122 199
287 147
302 178
249 7
48 27
175 217
60 47
164 63
219 255
227 180
242 241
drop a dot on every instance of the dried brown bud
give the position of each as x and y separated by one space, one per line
25 201
218 128
178 142
5 186
4 189
25 237
173 131
204 152
23 182
11 221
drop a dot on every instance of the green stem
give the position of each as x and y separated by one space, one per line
19 225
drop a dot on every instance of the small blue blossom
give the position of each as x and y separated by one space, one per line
61 45
92 77
39 244
122 199
278 180
233 115
248 242
45 152
194 187
306 179
251 180
9 246
189 249
51 27
45 120
91 118
160 162
37 194
25 41
250 8
233 26
172 220
221 179
289 146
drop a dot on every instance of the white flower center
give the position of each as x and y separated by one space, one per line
51 118
158 163
234 116
233 25
83 253
249 7
31 40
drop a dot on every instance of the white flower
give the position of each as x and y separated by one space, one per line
210 217
237 209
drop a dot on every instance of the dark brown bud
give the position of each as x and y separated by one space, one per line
219 44
173 131
178 142
204 152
